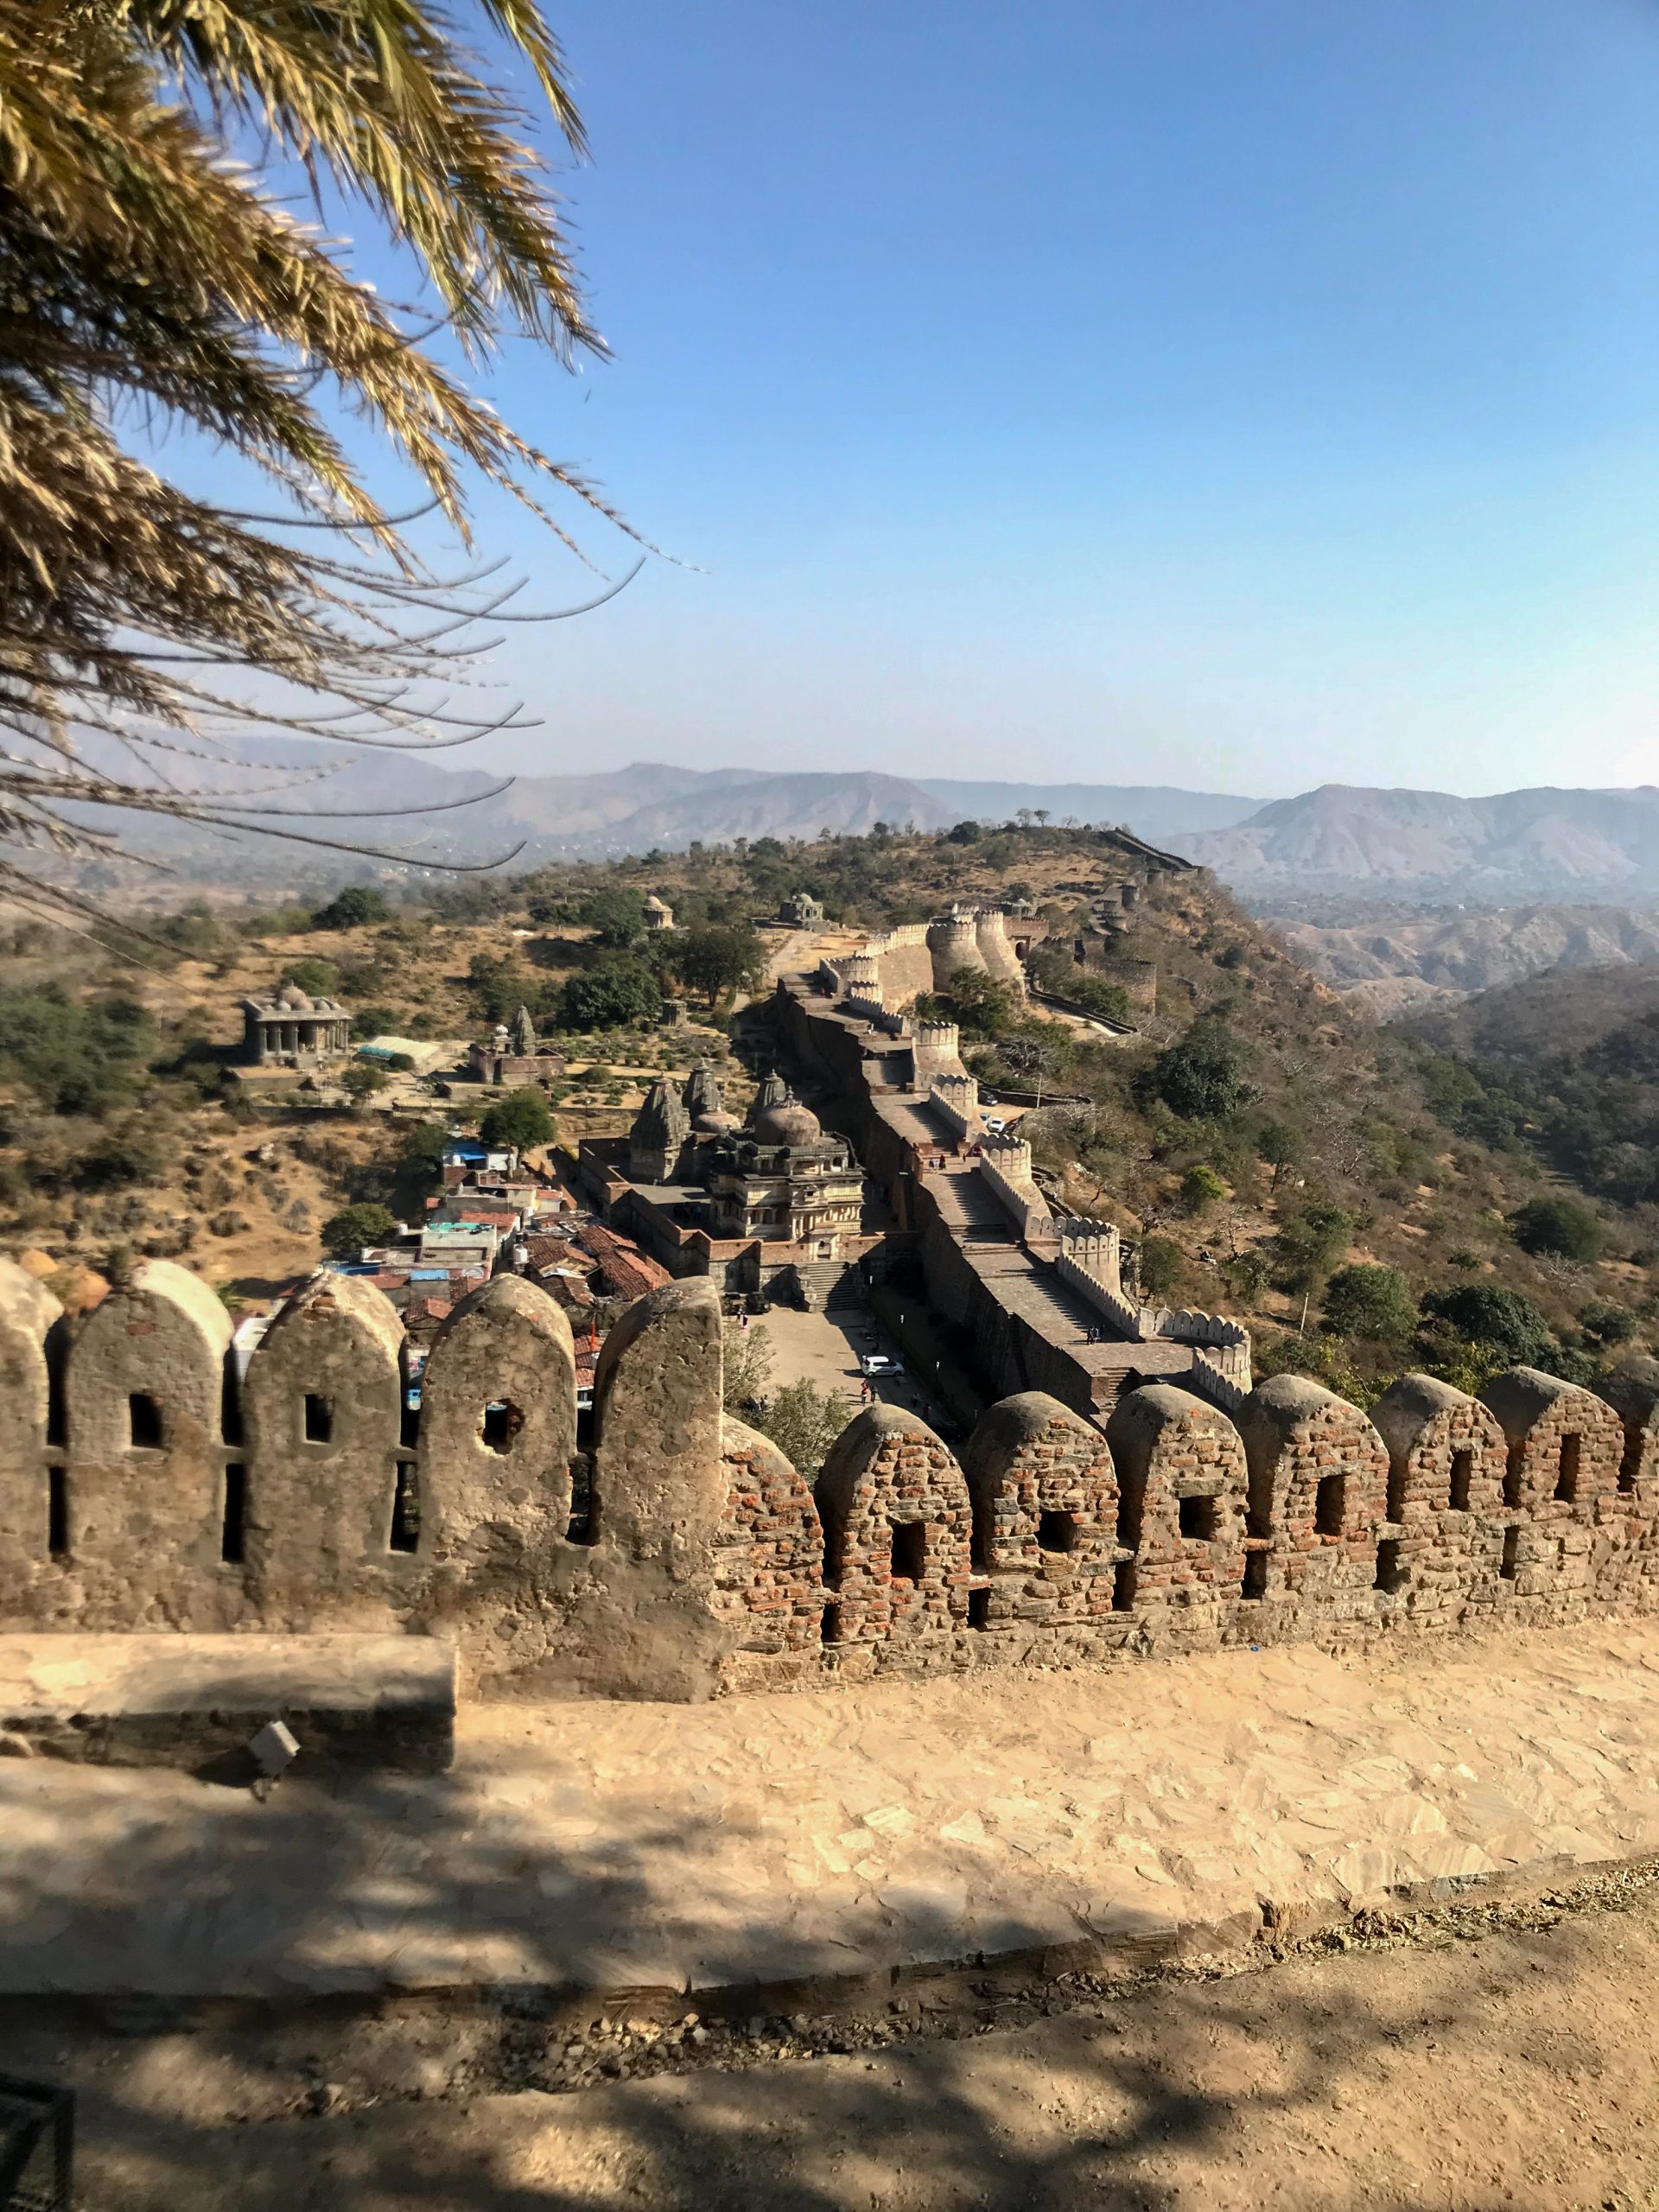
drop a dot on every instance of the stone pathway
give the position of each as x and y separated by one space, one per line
838 1831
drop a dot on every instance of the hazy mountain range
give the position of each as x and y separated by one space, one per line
1404 966
1429 846
1341 841
644 808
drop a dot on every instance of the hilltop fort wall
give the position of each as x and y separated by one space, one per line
676 1553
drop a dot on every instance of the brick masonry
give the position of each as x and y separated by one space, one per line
145 1489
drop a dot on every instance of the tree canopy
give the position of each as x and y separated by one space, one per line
157 281
518 1121
348 1232
1201 1076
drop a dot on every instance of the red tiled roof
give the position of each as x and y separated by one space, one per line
556 1252
428 1309
624 1267
454 1217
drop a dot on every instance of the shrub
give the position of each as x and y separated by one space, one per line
320 978
1557 1228
1608 1324
1484 1314
346 1233
1200 1188
1201 1077
351 908
1365 1300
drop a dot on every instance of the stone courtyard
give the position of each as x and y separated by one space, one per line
828 1838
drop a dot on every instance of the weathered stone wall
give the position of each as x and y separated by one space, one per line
1565 1448
897 1531
769 1554
141 1489
1045 1498
1183 1479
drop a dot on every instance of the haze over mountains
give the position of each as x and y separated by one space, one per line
1429 846
1404 848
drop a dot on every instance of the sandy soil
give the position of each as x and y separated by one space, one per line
1489 2056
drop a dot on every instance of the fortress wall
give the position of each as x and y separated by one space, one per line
906 969
897 1531
1044 1497
1184 1484
954 946
991 935
1562 1497
154 1497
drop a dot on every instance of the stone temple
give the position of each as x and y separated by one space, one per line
293 1029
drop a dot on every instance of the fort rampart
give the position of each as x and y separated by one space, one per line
146 1486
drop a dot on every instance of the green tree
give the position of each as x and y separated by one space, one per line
353 908
716 959
320 978
983 1007
616 915
495 984
965 833
362 1080
519 1122
1308 1243
1201 1187
1365 1300
1557 1228
420 1155
1201 1077
348 1232
1161 1265
746 1370
1486 1313
804 1422
609 994
1280 1145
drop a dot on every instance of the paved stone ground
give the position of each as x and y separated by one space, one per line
825 1349
837 1832
1478 2057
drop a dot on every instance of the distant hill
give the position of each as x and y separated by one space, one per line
1390 967
1517 846
645 807
1562 1012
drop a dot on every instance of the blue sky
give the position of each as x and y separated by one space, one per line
1238 393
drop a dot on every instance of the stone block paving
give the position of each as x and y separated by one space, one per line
622 1846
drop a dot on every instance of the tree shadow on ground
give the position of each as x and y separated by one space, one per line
1295 2085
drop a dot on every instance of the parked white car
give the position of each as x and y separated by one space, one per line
879 1366
995 1123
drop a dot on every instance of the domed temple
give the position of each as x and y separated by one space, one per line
778 1203
783 1177
293 1029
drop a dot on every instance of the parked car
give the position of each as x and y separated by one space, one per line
879 1366
995 1124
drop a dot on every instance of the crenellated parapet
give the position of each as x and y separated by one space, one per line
1005 1163
147 1484
955 1099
